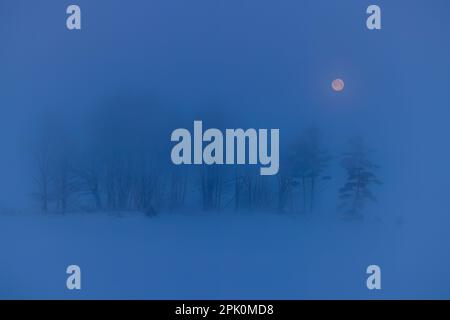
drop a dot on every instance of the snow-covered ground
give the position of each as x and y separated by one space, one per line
217 256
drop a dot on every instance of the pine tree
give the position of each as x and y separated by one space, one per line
360 178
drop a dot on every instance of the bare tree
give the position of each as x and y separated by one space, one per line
89 175
148 193
177 192
211 188
43 178
310 162
63 187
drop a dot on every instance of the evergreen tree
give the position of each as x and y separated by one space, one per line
360 178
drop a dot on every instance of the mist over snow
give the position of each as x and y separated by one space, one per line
86 175
215 257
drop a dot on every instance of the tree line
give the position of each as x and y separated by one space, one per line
116 174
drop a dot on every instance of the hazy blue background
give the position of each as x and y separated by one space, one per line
232 63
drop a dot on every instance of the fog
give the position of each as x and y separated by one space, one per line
96 108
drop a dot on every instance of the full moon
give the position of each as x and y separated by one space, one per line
337 84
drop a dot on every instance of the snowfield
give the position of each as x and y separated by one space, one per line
217 256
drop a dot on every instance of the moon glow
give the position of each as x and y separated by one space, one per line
338 85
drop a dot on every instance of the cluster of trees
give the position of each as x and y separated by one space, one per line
65 181
116 174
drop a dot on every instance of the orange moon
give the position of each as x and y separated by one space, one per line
338 84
